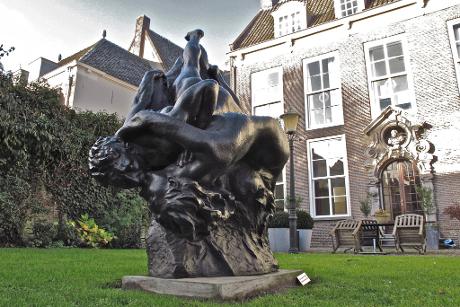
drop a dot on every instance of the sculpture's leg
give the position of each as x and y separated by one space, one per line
152 93
197 104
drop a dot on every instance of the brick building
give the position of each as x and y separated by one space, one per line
377 85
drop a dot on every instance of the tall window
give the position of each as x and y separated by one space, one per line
267 100
323 101
399 182
390 83
454 35
344 8
328 177
289 18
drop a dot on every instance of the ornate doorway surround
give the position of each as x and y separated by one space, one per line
392 137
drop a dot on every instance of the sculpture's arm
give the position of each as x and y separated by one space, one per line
165 126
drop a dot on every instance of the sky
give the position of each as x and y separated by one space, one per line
47 28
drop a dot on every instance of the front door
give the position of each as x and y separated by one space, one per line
399 182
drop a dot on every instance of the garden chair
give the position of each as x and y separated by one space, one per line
367 233
344 235
409 231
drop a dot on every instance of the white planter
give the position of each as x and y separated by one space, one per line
279 239
304 239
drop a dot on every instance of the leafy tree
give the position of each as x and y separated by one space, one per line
4 52
43 161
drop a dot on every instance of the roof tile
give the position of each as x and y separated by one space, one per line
261 28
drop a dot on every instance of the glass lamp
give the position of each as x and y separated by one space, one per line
290 120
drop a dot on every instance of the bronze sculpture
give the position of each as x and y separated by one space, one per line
207 170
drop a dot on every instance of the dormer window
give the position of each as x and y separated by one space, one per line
344 8
289 18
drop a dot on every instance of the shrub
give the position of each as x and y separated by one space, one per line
43 233
90 234
453 211
304 220
69 235
426 199
15 206
125 220
365 205
281 220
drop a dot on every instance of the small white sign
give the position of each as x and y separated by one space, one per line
303 279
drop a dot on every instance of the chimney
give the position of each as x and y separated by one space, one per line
267 4
138 43
104 33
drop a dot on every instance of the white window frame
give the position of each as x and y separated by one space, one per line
338 9
375 106
455 55
337 87
283 176
280 98
311 185
287 9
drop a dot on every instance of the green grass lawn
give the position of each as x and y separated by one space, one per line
90 277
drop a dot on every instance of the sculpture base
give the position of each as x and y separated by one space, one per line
219 288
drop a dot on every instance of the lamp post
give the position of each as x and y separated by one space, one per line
290 120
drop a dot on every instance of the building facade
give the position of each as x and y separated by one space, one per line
104 76
377 85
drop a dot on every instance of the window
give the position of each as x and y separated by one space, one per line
328 177
399 182
454 35
323 97
289 24
267 92
390 83
289 18
344 8
267 100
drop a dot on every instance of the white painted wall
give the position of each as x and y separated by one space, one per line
92 90
97 92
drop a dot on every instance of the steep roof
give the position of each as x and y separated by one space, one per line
167 50
114 61
261 27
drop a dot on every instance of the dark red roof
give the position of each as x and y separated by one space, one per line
261 27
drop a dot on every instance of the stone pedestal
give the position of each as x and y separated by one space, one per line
219 288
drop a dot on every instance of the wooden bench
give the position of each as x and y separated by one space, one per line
368 232
409 231
344 234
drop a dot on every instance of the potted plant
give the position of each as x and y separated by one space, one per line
426 201
365 205
382 216
278 231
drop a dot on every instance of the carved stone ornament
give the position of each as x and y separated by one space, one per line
207 170
393 136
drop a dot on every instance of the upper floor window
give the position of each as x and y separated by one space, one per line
289 18
390 83
344 8
323 98
454 35
328 177
267 92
